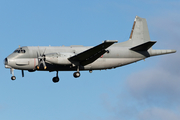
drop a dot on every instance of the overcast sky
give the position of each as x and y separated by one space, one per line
146 90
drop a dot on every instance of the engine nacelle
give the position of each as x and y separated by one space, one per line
58 59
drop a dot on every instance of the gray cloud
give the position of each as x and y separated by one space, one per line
158 114
122 109
155 86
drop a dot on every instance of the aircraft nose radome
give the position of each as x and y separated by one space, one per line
5 61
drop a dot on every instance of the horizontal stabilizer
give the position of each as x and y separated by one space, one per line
161 52
144 46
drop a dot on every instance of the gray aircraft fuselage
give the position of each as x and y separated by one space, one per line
116 57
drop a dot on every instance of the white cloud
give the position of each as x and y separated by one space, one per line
155 85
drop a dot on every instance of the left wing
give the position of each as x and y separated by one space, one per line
91 54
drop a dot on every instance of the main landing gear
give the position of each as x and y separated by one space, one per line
56 79
77 74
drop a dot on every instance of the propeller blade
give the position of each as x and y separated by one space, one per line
41 58
44 64
39 62
44 51
39 51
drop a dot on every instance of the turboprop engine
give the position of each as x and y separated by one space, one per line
56 58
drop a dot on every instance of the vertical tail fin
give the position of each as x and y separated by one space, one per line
139 33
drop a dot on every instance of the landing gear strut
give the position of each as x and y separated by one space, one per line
77 74
56 79
12 72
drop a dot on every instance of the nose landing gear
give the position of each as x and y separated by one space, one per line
12 72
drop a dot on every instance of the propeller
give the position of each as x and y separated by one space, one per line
41 58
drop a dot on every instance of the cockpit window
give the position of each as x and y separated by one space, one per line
23 51
19 51
16 51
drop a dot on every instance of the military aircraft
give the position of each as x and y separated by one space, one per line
106 55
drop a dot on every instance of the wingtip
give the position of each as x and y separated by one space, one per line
114 41
173 51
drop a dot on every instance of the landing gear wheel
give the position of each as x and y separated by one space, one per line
55 79
13 78
76 74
